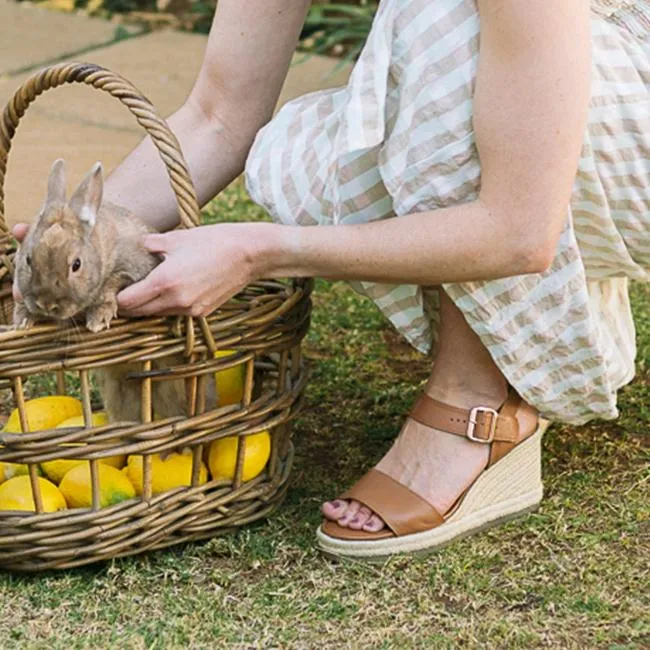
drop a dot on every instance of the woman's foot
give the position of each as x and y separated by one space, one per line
435 465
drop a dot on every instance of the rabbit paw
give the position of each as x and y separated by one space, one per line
100 318
23 320
25 324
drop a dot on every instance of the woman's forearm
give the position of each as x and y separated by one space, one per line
423 248
246 61
206 266
213 156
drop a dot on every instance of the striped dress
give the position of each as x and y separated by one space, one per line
398 139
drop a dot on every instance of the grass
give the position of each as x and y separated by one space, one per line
573 575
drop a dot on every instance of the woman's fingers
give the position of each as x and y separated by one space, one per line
202 268
158 243
140 294
20 231
166 306
159 306
157 295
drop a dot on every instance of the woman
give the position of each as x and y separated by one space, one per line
512 140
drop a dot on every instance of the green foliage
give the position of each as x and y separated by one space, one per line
338 29
202 13
334 28
121 6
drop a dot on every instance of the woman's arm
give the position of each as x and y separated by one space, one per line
531 102
246 61
530 111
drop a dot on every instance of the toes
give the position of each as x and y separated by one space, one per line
334 510
373 525
350 513
361 519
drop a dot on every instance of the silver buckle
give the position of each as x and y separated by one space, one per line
471 425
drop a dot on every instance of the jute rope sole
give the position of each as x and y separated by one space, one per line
507 490
263 327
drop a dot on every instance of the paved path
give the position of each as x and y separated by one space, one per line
31 36
83 125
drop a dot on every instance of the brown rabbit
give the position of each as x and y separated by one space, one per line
78 255
74 260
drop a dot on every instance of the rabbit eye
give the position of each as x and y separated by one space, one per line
76 265
28 260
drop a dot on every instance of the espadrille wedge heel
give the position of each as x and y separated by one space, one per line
510 486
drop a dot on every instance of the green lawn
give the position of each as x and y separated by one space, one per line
573 575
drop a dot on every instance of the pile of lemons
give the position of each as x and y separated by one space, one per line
67 483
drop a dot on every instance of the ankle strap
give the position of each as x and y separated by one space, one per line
480 424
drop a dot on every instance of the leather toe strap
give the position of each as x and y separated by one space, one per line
403 511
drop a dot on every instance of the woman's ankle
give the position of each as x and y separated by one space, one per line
468 391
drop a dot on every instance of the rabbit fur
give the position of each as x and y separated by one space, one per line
74 260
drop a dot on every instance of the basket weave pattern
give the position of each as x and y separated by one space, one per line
264 324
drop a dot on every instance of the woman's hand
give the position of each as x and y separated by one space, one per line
202 269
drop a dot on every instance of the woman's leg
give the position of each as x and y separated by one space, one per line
438 466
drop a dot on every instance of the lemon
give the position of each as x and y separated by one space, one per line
99 419
222 459
172 472
57 469
44 413
9 470
230 382
114 487
16 494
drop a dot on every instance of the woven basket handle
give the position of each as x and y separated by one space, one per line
142 109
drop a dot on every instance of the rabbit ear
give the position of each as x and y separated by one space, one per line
87 197
56 183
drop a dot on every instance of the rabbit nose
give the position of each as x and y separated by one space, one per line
47 308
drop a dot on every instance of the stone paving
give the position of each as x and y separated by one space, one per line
31 36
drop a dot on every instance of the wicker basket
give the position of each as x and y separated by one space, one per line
264 324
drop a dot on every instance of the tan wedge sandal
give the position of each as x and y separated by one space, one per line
510 486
